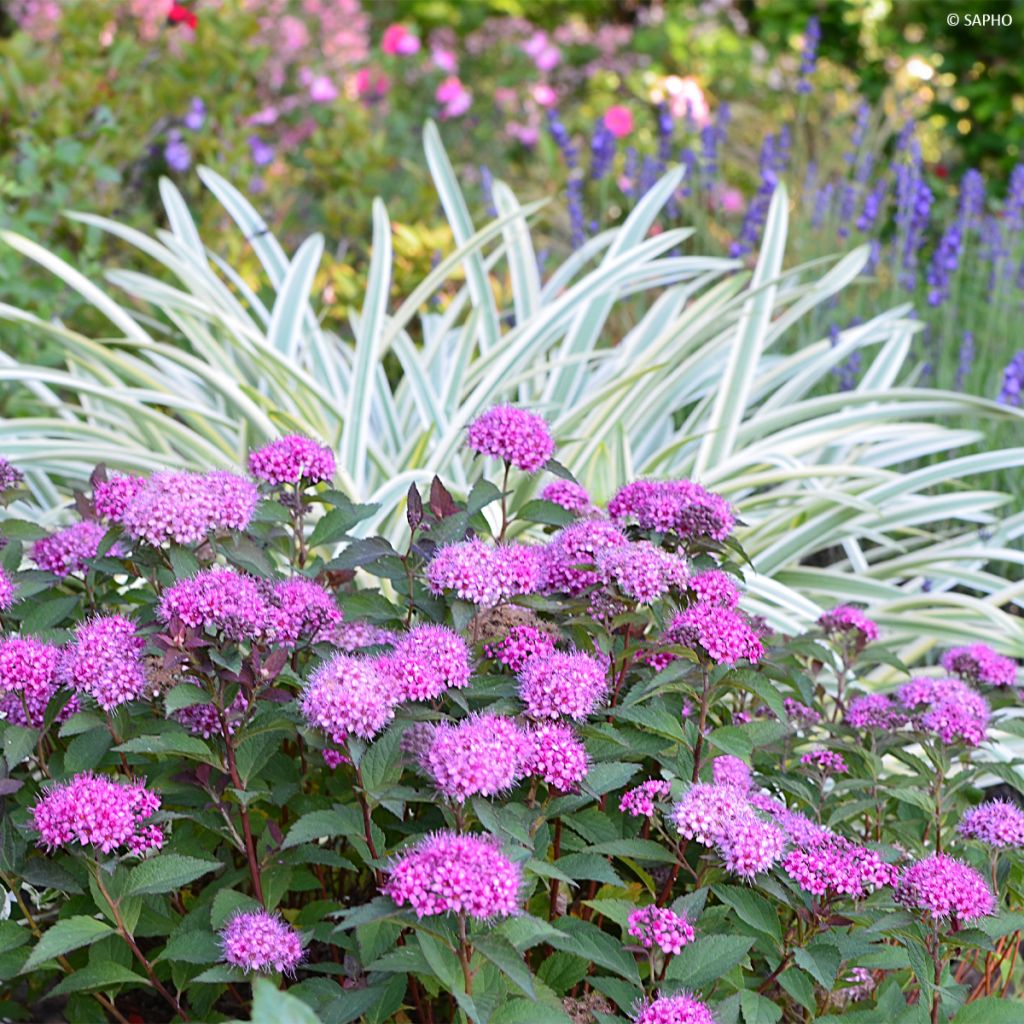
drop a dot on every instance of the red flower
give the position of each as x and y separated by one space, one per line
179 14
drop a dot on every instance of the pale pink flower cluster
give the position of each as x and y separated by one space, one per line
661 927
425 662
945 889
218 599
639 801
300 611
516 436
568 562
826 761
7 590
520 644
724 634
952 710
184 508
642 571
69 550
828 863
997 823
28 681
258 941
348 696
721 816
447 873
358 635
94 810
573 497
681 506
677 1009
728 770
105 661
292 460
485 574
562 683
978 663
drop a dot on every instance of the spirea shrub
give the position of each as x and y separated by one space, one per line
539 763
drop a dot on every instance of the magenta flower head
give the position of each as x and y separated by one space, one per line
69 550
566 561
997 823
681 506
661 927
875 711
105 661
517 437
731 771
750 846
358 635
825 761
448 873
801 714
483 574
642 571
111 497
481 755
204 719
28 681
348 696
557 755
946 707
258 941
94 810
945 889
183 508
292 460
723 633
425 662
520 644
639 801
10 476
678 1009
822 862
222 600
570 684
7 589
300 611
715 587
850 625
573 497
706 812
978 663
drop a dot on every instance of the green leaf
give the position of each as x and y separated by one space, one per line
65 936
504 956
527 1011
167 871
547 513
991 1010
102 975
171 743
820 961
381 765
751 908
335 525
340 821
19 742
45 613
757 1009
702 963
272 1006
86 750
799 985
192 947
185 695
588 941
226 904
183 562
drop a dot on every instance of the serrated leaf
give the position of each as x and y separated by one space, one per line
167 871
339 821
757 1009
588 941
272 1006
185 695
99 976
704 962
67 935
504 956
751 908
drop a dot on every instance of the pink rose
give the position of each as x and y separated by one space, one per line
619 121
399 41
454 97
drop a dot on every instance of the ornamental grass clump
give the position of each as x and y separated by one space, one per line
541 756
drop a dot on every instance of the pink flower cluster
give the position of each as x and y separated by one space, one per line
997 823
639 801
258 941
94 810
112 496
728 770
28 681
952 710
520 644
723 633
716 588
678 1009
7 589
829 863
292 460
424 663
183 508
944 888
720 816
661 927
348 696
844 620
826 761
681 506
516 436
875 711
203 719
570 684
978 663
105 661
10 476
567 559
218 599
642 571
300 611
484 574
557 756
447 873
69 550
358 635
801 713
573 497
